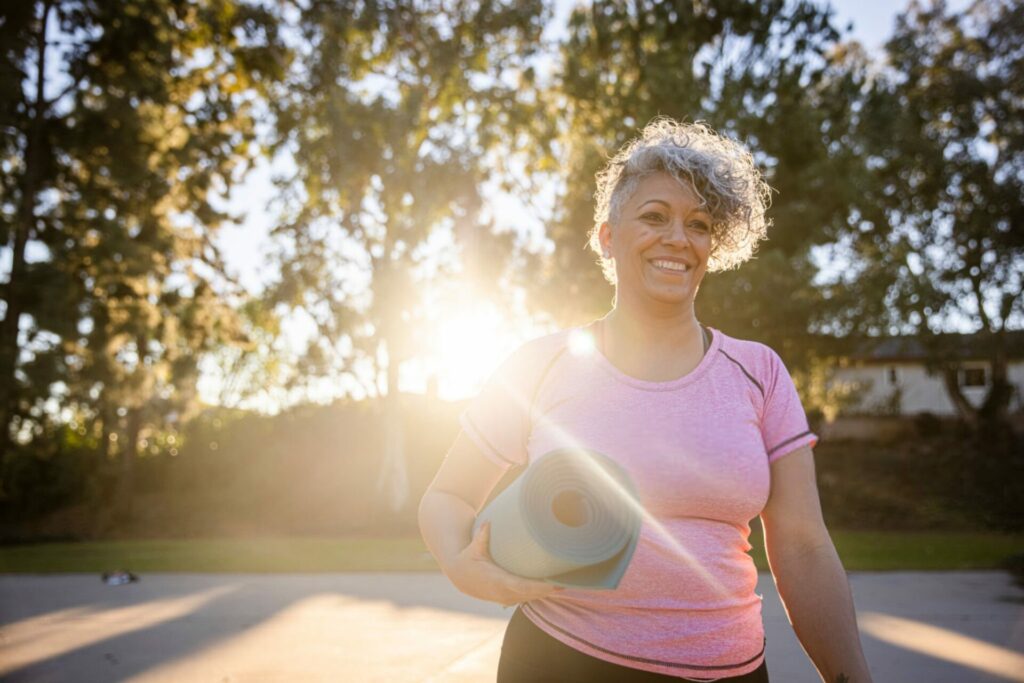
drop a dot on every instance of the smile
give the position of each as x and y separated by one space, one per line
674 266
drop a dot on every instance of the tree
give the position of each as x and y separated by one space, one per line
122 122
764 72
388 117
938 226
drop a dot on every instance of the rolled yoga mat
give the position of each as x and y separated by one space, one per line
571 519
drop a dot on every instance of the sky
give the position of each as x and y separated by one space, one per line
245 245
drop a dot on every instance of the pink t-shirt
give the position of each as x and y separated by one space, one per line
698 450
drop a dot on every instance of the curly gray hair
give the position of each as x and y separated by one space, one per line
721 172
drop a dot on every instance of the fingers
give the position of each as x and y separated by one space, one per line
520 596
524 590
503 586
481 543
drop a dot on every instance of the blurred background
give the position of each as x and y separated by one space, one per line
256 256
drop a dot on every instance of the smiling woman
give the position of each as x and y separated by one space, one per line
709 429
662 241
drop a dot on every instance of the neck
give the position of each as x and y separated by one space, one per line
651 348
673 329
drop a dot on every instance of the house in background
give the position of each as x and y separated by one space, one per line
892 375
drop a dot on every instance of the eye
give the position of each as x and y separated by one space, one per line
700 226
653 217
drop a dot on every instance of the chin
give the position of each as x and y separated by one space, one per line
678 298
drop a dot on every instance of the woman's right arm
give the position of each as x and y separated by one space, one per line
446 515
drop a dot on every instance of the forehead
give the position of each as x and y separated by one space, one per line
664 187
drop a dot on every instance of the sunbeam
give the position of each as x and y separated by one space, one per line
944 644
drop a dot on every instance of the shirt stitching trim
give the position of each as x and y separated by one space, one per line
745 372
479 435
789 441
528 427
544 376
645 660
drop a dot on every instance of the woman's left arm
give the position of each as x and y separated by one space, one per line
808 573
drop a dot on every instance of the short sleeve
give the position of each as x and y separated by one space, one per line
497 420
784 426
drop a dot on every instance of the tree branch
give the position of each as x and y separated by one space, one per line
979 298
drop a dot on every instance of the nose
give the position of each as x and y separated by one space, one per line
675 235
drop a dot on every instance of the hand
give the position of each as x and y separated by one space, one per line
475 574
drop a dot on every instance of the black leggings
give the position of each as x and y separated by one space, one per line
529 655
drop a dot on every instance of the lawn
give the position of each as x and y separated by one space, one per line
860 550
273 555
912 551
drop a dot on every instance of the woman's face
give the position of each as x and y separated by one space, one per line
660 243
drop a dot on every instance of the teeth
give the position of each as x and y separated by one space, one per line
670 265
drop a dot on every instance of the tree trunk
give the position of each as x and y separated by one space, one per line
106 448
124 497
951 379
996 406
11 323
393 483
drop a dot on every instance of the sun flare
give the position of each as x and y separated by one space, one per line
467 345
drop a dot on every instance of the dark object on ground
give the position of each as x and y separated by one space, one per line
119 577
1015 565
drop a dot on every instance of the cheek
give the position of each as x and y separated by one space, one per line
704 246
645 238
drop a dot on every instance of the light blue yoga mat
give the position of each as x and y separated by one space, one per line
571 519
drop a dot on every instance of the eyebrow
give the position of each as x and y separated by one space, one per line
669 206
658 201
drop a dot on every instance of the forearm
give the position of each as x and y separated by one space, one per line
446 524
816 594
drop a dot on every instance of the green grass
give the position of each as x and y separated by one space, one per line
860 550
912 551
274 555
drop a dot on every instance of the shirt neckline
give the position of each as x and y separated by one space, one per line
668 385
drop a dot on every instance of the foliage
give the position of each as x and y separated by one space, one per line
123 125
947 476
388 116
936 226
312 470
761 72
122 121
309 470
823 396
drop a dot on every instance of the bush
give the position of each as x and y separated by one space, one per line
948 476
314 471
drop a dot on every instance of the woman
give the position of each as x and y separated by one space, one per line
710 429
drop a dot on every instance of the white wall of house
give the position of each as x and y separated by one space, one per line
918 392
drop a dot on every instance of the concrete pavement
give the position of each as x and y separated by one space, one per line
940 627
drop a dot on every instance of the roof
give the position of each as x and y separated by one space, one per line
974 346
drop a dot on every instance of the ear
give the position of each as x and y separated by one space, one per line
604 235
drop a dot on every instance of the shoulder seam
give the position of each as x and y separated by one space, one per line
544 375
746 372
528 427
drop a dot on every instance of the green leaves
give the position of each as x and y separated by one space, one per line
388 116
762 72
141 116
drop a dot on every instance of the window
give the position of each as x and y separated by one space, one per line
973 377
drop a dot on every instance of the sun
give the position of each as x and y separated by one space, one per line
467 344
